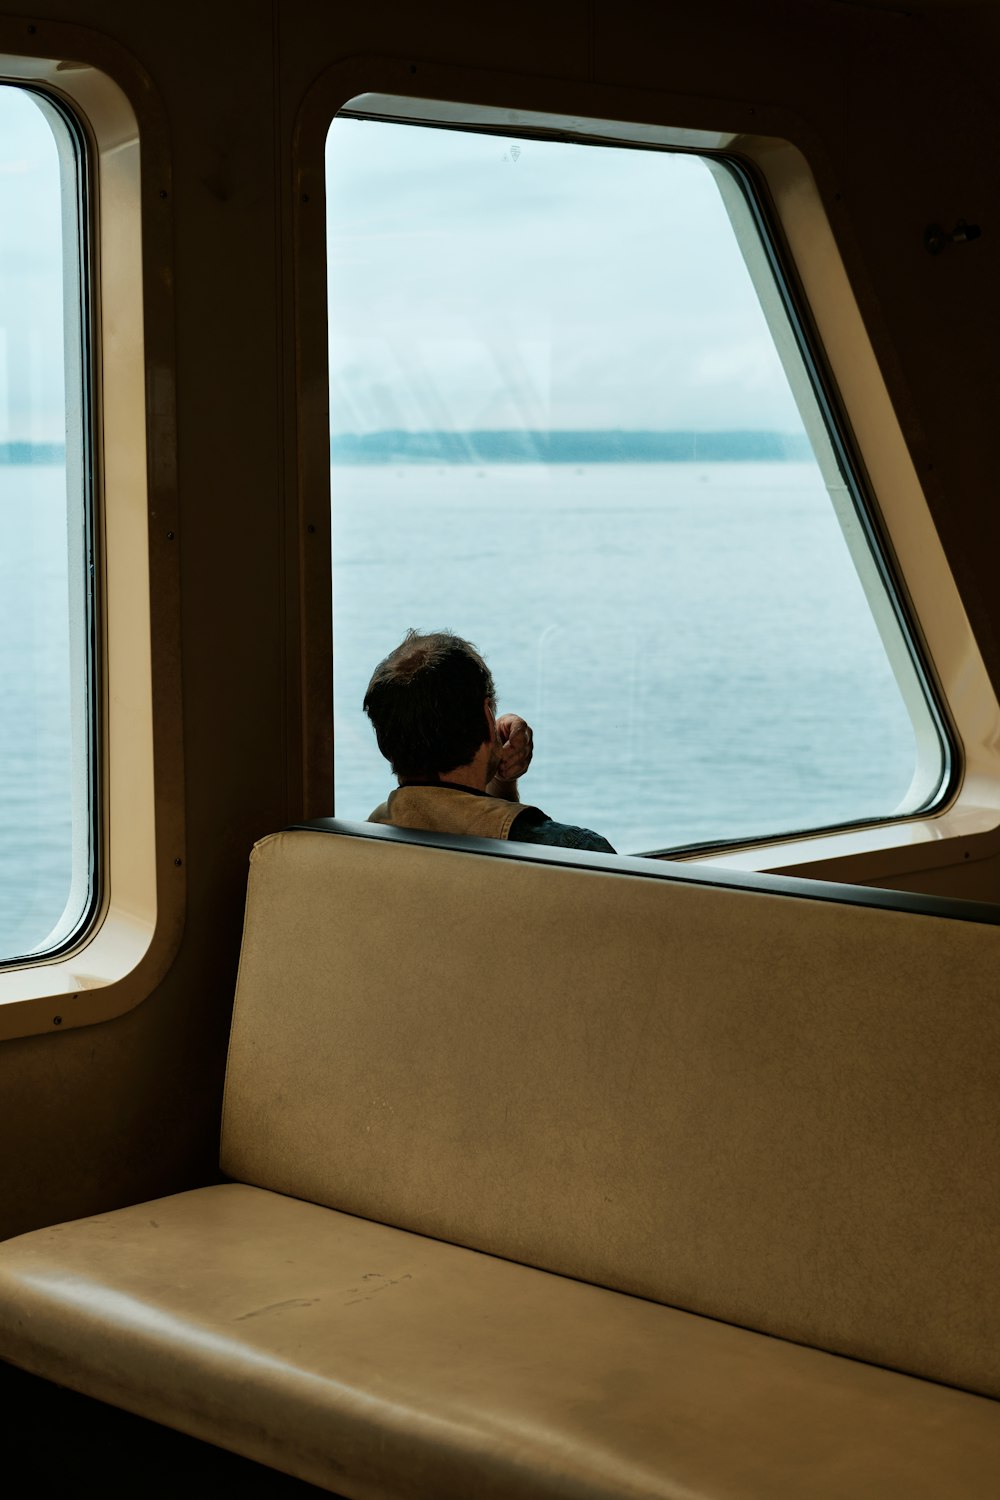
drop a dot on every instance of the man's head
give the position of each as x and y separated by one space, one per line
428 701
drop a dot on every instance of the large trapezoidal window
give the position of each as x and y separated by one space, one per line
573 420
47 807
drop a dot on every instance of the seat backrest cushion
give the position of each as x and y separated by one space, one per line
775 1111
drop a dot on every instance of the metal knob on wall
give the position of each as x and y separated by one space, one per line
936 240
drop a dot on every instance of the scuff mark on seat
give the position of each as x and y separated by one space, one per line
370 1292
255 1312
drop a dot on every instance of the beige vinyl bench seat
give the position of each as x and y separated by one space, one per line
387 1363
518 1145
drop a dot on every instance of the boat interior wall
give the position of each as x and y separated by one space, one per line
895 110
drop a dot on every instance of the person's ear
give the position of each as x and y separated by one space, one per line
491 723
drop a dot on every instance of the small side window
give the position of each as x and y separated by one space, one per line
47 718
574 419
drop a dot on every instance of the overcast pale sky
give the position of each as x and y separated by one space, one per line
31 321
477 281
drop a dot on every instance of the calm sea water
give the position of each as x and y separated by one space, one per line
690 643
35 737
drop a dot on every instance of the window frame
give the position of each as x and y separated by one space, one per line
869 544
794 189
111 963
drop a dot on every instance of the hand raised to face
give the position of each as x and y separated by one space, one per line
516 739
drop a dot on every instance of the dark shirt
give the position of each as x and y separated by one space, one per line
533 827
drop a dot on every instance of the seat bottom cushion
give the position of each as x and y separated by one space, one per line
378 1363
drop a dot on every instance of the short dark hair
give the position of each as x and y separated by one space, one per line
426 703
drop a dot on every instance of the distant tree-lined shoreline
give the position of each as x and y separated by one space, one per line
32 453
517 446
612 446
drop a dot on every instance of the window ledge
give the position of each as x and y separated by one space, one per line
968 830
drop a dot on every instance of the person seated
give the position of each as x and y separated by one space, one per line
433 706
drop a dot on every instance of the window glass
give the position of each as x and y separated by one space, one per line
570 421
45 608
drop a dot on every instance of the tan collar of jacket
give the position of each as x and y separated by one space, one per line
448 809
